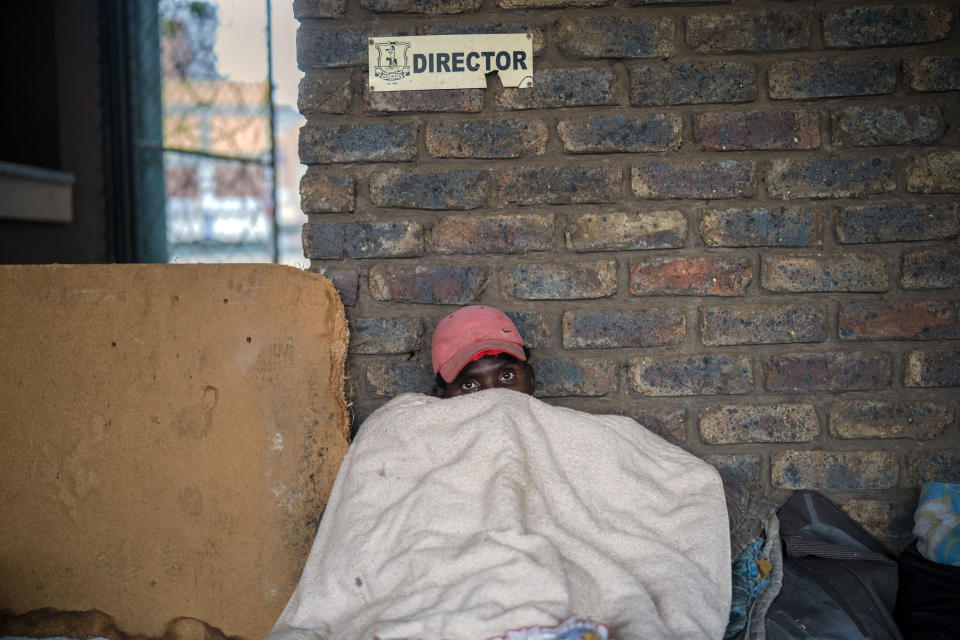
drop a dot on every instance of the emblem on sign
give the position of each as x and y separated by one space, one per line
392 63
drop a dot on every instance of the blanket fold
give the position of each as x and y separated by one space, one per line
466 517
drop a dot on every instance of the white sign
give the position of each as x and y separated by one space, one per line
404 63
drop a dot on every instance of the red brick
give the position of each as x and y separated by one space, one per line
486 138
327 91
762 227
689 276
748 31
873 419
931 268
900 320
702 374
762 324
830 177
622 134
669 83
616 37
617 231
759 423
830 371
574 377
933 368
563 87
560 281
752 130
706 180
885 26
834 470
560 185
801 79
427 285
824 272
646 327
934 172
493 234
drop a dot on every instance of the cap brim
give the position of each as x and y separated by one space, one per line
455 365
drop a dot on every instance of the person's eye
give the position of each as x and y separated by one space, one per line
507 376
468 385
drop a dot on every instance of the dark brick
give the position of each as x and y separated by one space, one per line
550 4
933 466
932 73
885 26
345 282
486 138
830 371
455 28
326 193
667 83
622 134
690 276
456 189
826 78
748 31
318 8
749 130
872 419
393 378
762 227
884 519
322 45
762 324
743 470
882 125
706 180
580 377
559 185
616 37
427 285
432 7
647 327
706 374
931 268
897 222
830 177
934 172
333 241
935 368
666 422
385 335
560 281
619 231
834 470
493 234
427 100
759 423
572 87
531 325
824 272
900 320
358 143
325 92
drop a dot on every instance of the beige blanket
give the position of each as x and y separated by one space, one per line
467 517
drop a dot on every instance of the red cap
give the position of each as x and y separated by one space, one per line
469 332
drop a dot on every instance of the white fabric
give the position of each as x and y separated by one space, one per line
466 517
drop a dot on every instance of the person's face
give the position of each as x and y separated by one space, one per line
490 372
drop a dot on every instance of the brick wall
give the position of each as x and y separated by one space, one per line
737 224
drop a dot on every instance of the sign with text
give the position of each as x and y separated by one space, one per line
405 63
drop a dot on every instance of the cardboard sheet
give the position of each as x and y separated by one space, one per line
168 438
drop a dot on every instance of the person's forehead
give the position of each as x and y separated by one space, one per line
498 361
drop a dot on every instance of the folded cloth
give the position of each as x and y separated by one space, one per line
470 516
937 523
